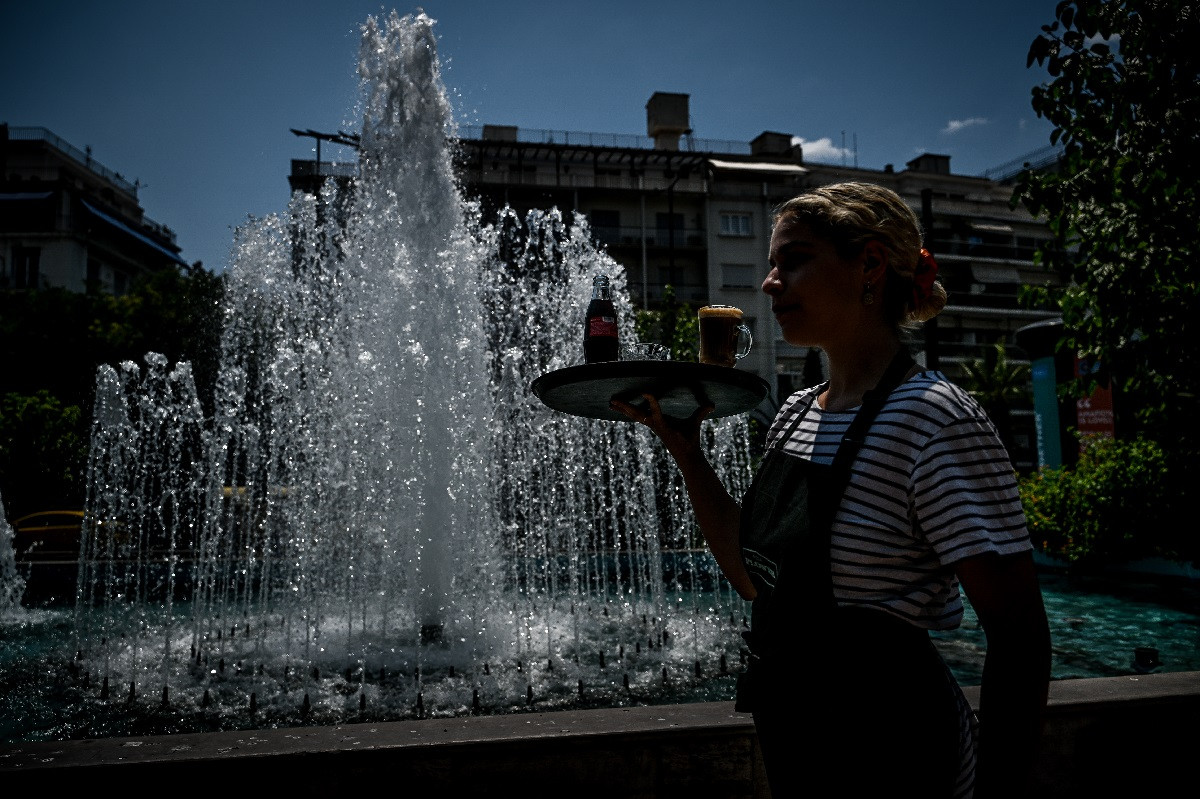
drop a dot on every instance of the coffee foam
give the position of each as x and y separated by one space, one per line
709 310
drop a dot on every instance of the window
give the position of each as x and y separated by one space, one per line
736 225
610 178
93 275
26 262
668 229
606 225
738 276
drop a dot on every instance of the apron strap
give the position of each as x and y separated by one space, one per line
872 402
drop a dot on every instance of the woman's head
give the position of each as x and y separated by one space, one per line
850 215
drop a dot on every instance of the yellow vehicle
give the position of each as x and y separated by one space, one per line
48 536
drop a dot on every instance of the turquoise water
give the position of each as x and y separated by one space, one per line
1096 626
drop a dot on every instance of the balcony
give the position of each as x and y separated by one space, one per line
83 157
958 247
607 140
626 236
695 294
309 168
585 180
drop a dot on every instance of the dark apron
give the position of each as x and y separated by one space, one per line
841 674
784 516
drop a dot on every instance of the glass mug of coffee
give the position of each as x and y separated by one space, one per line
724 339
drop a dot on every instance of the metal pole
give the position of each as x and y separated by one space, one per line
642 239
932 356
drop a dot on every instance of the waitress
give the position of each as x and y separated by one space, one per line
882 492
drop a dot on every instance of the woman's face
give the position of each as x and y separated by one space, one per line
816 295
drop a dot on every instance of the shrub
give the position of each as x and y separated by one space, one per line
1111 508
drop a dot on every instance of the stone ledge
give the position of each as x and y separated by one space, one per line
1109 734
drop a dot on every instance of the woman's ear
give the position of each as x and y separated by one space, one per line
875 262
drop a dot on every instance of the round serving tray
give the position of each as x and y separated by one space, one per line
680 386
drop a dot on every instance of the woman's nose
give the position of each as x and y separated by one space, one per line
771 283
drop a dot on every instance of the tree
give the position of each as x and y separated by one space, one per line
43 454
1124 99
54 339
674 326
996 382
175 314
51 343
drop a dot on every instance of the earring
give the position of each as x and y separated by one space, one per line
868 296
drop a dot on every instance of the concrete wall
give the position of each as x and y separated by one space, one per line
1118 736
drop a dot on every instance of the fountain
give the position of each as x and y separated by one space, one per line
380 519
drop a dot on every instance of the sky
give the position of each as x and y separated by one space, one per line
196 101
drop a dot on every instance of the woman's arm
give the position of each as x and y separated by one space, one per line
717 513
1007 598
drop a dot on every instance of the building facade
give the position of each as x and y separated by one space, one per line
695 216
68 221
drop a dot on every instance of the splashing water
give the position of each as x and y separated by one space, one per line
12 584
380 517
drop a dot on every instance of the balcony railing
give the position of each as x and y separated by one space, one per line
86 160
307 168
1008 252
582 180
1038 159
65 147
584 139
694 293
624 236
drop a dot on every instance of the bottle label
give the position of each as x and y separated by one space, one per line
602 326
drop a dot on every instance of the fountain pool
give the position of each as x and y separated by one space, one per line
48 694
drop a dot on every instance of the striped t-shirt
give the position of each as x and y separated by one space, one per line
931 485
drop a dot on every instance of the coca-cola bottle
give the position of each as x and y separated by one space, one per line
600 324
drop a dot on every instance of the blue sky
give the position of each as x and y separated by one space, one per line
195 101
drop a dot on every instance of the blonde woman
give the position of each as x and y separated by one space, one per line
883 491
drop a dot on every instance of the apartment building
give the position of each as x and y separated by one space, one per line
68 221
695 215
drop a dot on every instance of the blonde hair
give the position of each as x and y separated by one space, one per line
851 214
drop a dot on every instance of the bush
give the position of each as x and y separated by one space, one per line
1111 508
43 454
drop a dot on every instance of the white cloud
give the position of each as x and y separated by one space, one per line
1113 42
955 125
822 150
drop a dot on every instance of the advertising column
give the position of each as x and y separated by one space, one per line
1040 342
1045 412
1093 413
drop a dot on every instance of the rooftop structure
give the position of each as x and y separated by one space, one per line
68 221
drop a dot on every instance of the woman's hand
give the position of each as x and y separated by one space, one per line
681 437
